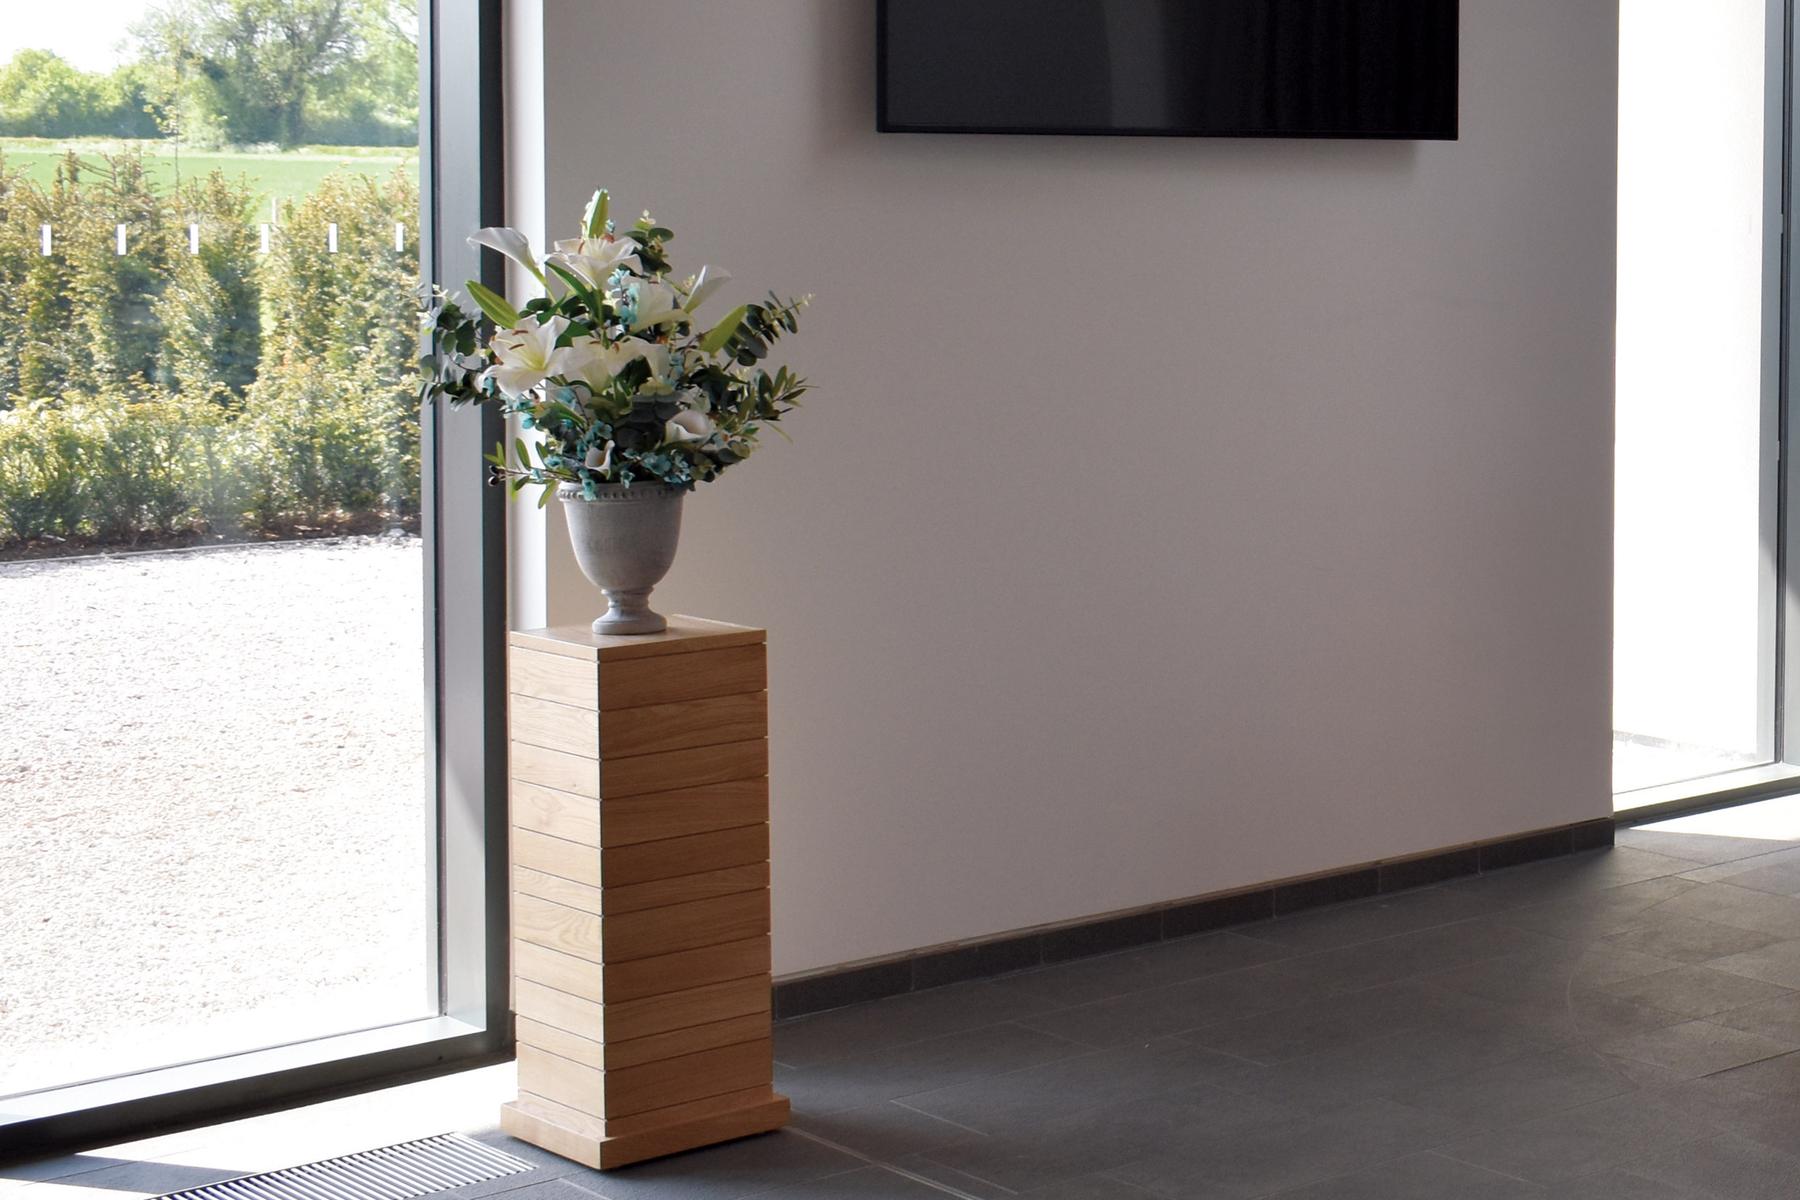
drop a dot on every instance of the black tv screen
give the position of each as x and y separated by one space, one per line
1196 68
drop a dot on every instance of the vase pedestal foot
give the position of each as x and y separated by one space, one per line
628 611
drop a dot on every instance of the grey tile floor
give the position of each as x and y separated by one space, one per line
1624 1023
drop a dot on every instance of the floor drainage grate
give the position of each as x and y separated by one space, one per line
433 1164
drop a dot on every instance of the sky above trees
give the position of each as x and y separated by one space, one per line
92 36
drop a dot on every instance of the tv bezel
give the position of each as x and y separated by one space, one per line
884 125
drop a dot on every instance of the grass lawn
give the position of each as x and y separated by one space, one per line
275 173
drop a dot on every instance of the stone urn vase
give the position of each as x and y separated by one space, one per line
624 539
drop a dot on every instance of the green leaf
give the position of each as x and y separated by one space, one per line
494 305
520 449
580 288
544 497
719 334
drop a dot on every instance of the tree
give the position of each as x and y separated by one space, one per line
167 69
266 67
42 95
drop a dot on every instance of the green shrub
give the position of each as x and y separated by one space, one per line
162 391
42 451
114 469
334 412
211 309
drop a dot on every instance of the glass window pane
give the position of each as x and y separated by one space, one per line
214 827
1693 678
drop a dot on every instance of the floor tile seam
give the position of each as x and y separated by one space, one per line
1420 976
1086 1051
892 1168
1298 1003
1017 1024
1697 1021
1277 1193
1393 1092
1729 862
568 1177
1394 936
1437 1152
1186 1038
1097 1106
1061 1006
1681 1140
764 1190
1751 887
886 1047
1708 1020
1300 953
1680 916
1749 893
901 1103
1291 1063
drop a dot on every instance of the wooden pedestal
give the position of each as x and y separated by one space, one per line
640 891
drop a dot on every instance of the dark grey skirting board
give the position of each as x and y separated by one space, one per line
1007 952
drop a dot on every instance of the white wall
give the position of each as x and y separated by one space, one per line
1172 515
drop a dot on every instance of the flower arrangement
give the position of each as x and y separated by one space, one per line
611 366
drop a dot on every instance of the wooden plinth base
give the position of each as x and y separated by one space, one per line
586 1142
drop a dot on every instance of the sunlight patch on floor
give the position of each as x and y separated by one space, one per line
1771 820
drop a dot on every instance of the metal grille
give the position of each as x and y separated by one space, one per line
432 1164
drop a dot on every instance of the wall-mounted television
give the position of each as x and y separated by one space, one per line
1181 68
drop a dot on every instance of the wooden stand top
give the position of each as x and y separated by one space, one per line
683 635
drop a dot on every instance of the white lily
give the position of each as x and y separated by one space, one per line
511 243
585 358
688 426
706 283
625 351
655 304
592 260
526 356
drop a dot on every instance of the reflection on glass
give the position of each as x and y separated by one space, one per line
212 826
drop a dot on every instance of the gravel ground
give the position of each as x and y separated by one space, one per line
212 814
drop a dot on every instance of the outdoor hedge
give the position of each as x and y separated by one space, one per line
161 392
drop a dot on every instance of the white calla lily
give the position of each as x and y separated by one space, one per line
655 304
598 460
705 284
593 260
688 426
526 356
511 243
